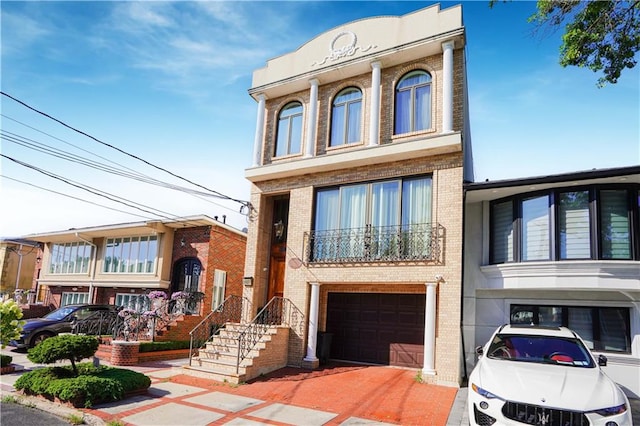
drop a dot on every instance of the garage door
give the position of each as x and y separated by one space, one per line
377 328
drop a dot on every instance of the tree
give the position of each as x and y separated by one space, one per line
70 347
10 324
599 35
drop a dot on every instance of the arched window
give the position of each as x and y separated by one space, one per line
289 139
413 102
346 116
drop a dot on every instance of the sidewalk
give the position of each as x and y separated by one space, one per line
338 394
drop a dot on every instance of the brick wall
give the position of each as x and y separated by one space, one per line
216 248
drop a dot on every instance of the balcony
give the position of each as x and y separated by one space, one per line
422 243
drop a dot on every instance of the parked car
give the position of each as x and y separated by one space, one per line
36 330
542 376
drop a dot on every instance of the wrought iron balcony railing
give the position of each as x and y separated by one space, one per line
402 243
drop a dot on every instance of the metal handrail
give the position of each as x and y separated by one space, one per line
279 311
233 309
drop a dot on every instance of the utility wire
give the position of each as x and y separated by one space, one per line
97 192
245 204
75 198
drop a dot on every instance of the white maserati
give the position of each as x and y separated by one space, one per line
543 376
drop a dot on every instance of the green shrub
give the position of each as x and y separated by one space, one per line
70 347
10 324
164 346
5 360
86 390
93 385
130 380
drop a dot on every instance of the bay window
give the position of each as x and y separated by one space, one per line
70 258
597 222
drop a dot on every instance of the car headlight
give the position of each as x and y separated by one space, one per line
485 393
611 411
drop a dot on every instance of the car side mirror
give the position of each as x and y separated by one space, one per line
479 350
602 360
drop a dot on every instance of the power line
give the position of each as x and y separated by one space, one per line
72 197
245 204
121 170
99 193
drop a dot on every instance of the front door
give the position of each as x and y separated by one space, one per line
186 278
278 251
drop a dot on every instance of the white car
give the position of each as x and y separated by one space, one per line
542 376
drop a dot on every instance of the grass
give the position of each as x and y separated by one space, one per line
115 422
9 399
75 419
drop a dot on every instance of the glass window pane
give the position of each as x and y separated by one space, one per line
337 126
581 321
283 137
614 330
296 135
422 117
403 112
550 316
535 229
152 254
574 224
502 232
615 237
416 201
354 122
353 206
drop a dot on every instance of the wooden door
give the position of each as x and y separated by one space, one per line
276 271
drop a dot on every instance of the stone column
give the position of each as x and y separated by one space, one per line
312 341
259 137
374 123
447 86
429 363
310 143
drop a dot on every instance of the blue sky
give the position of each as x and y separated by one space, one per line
168 82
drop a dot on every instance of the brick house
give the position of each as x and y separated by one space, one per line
558 250
361 150
115 264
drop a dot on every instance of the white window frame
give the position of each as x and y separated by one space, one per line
219 285
73 298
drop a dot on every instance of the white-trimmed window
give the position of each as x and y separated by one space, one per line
346 116
219 284
137 302
74 298
70 258
594 222
289 137
413 103
131 255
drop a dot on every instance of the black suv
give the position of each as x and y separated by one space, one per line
61 320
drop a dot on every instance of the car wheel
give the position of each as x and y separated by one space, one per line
40 337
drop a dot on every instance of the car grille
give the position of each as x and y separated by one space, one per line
481 418
543 416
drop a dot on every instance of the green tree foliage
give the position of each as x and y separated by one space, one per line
70 347
10 324
603 36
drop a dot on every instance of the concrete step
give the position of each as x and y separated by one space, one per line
212 375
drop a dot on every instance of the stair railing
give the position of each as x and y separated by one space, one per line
233 309
279 311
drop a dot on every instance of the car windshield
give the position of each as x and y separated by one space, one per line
59 314
540 349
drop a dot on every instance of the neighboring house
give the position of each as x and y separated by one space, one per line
557 250
114 264
18 261
361 150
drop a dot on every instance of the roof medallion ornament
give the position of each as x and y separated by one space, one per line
343 45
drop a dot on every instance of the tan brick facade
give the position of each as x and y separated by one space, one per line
445 167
